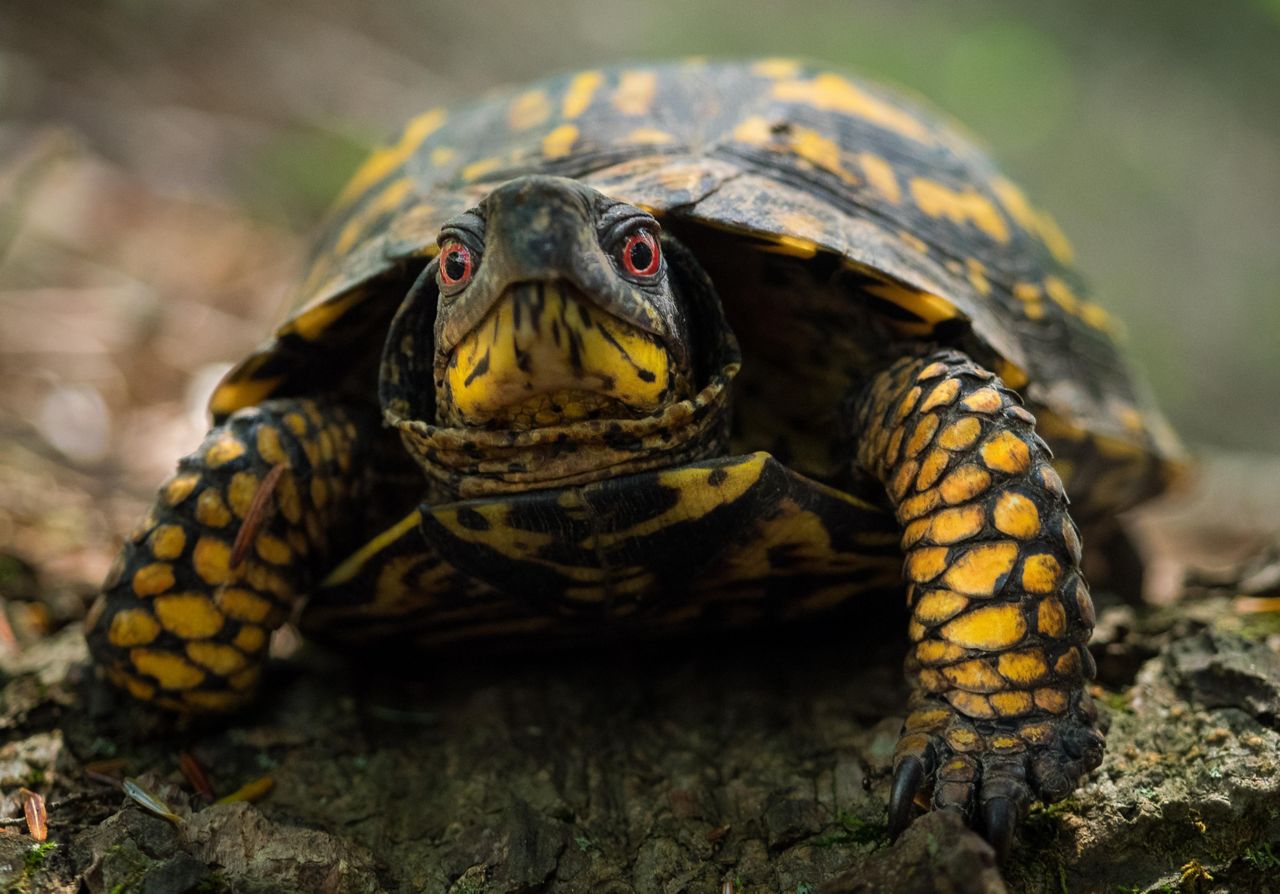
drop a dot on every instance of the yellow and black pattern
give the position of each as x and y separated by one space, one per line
728 540
230 545
1000 614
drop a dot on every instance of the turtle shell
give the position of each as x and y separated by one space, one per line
793 158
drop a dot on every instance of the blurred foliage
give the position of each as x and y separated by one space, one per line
1150 130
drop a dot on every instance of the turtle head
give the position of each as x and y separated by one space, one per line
555 306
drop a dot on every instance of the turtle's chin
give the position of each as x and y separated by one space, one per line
544 355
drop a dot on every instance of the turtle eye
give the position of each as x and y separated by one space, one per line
456 264
641 254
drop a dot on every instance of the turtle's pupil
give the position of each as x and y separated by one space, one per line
455 265
641 255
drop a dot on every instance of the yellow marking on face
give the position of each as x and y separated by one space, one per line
635 91
224 449
965 206
936 651
243 605
578 96
884 181
559 141
937 606
1034 221
953 525
171 671
960 434
1051 619
926 563
963 484
179 488
211 510
1024 667
832 93
477 169
1006 452
311 323
132 627
212 560
974 675
989 628
250 639
382 162
220 658
981 570
942 395
529 109
189 615
167 541
152 579
1062 294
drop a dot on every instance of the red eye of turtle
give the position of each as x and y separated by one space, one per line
641 254
455 264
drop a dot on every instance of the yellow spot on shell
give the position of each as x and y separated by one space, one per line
224 449
634 94
965 206
776 68
212 560
387 199
648 136
1062 293
384 161
820 151
210 510
960 434
171 671
243 605
989 628
559 141
937 606
132 627
1006 452
1051 620
477 169
152 579
241 491
179 488
580 92
189 615
1040 573
529 109
217 657
964 484
925 564
954 525
830 92
1036 222
250 639
1023 668
442 155
883 180
168 541
1016 516
980 571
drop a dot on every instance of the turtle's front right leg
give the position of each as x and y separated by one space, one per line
247 524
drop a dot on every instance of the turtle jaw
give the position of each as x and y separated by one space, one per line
545 354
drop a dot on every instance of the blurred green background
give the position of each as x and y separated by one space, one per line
1152 132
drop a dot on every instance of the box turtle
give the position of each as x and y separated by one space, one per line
654 347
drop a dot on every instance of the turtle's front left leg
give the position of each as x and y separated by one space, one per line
1000 615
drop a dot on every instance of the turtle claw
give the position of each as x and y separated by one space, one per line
1000 821
908 778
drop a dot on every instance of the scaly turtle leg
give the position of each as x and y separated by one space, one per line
1000 615
245 527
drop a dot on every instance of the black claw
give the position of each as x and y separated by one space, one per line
1000 820
907 779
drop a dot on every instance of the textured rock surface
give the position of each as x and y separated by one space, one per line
682 767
